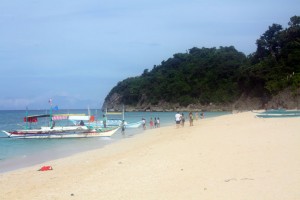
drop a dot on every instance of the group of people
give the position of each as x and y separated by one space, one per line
180 118
153 123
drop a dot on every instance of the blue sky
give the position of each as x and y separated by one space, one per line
76 51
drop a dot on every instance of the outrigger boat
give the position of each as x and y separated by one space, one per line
76 131
49 134
114 123
279 113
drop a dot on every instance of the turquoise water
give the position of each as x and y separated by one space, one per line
17 153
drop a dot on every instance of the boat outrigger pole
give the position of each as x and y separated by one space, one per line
123 117
50 117
26 127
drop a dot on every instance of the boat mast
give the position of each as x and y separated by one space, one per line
26 118
123 113
50 101
89 111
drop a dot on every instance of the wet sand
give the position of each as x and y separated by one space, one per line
235 156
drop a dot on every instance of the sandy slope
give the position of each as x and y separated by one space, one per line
231 157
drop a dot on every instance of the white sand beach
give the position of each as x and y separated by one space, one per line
232 157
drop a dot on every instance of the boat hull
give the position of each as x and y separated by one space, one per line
134 125
115 123
278 114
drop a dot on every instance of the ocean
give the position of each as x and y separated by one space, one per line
19 153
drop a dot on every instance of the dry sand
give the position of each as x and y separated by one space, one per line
230 157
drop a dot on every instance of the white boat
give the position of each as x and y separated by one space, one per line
113 123
134 124
50 134
53 131
116 122
279 113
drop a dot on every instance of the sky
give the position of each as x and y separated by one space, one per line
75 51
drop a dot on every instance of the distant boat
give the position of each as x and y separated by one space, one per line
278 113
134 124
90 121
114 123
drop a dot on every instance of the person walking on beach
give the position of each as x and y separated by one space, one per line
177 119
182 119
191 119
123 127
158 122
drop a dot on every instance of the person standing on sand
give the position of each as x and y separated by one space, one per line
158 122
182 119
151 123
144 123
123 127
177 119
191 118
155 122
202 115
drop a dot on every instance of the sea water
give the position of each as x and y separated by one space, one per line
19 153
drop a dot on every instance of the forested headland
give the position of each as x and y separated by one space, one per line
220 78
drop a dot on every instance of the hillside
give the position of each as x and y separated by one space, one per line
220 78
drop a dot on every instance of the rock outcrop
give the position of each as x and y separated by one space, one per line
288 99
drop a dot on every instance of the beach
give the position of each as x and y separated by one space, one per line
236 156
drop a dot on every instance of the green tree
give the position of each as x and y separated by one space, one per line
269 44
220 75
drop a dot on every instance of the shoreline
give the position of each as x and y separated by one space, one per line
66 150
29 159
233 156
25 161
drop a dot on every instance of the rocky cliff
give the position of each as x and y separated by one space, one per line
287 99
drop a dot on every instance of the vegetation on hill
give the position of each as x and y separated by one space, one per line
220 75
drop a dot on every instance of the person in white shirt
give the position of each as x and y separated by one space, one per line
177 119
144 123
